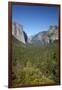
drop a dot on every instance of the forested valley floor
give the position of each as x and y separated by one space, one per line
33 65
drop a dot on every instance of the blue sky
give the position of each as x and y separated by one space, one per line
35 18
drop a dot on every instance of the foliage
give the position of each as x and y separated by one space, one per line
34 64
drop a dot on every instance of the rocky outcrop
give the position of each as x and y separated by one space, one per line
18 33
46 37
53 33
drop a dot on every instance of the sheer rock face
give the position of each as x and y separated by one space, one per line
18 33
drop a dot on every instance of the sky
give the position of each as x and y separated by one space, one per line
35 18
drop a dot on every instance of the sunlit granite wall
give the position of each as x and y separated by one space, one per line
17 32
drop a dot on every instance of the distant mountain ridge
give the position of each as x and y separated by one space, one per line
46 37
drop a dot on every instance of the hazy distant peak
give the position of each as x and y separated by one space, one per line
45 37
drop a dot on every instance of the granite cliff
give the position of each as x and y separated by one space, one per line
18 33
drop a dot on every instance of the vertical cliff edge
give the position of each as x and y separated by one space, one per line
18 33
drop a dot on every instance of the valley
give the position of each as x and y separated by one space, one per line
33 64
